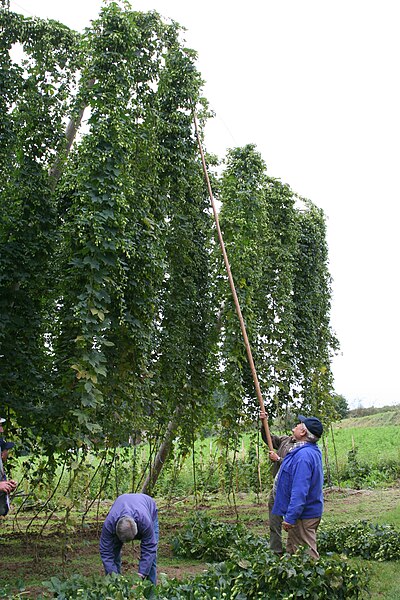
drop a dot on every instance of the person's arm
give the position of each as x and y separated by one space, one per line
148 548
274 457
110 547
276 439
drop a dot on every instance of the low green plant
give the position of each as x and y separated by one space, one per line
250 570
115 587
9 593
245 576
373 542
357 472
207 539
263 574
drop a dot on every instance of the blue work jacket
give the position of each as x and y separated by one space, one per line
143 510
299 485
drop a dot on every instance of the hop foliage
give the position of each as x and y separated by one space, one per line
104 249
373 542
250 570
207 539
245 576
93 588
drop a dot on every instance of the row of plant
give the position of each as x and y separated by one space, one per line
367 540
244 575
241 577
242 566
207 539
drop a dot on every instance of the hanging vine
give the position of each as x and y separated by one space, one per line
278 254
315 342
112 292
35 95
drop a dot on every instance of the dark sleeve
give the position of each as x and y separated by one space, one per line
276 439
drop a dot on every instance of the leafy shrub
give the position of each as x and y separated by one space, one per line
373 542
207 539
6 592
261 574
356 472
265 575
389 470
251 570
115 587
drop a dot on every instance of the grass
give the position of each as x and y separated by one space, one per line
378 419
374 445
378 506
385 580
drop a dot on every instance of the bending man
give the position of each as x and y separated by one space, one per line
131 517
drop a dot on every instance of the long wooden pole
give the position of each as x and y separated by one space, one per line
233 289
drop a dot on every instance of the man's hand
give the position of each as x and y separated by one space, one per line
5 486
274 456
287 526
263 415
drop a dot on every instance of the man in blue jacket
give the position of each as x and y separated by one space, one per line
131 517
299 496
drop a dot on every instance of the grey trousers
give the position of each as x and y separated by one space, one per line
275 527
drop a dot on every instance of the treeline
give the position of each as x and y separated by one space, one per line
372 410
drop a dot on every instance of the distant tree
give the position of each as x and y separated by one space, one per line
341 406
360 411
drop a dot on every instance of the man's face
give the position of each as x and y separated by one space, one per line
4 455
298 431
1 428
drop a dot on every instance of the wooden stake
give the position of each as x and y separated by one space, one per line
233 290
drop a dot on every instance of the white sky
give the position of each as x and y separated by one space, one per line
314 84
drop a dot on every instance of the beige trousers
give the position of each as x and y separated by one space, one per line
304 533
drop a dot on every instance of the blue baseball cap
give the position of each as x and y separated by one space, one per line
313 425
6 445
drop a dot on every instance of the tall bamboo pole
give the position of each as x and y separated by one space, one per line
233 289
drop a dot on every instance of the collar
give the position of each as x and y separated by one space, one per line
299 444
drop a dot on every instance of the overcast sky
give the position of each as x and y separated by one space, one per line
314 84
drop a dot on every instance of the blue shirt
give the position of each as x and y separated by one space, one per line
299 485
143 510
